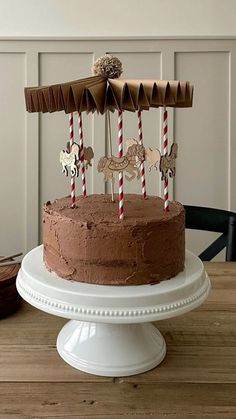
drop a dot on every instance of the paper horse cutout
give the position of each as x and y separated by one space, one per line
72 159
128 163
167 163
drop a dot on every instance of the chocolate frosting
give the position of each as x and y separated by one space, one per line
90 244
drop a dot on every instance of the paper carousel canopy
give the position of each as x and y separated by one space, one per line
101 93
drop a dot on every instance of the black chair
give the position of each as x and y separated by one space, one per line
216 220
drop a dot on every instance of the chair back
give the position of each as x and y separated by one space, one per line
215 220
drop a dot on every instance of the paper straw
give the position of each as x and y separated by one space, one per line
140 139
110 146
120 154
81 147
165 152
72 178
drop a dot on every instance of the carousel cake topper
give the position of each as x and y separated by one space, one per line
105 92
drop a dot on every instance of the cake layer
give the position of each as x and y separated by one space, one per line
90 244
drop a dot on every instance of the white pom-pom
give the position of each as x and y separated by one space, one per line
108 66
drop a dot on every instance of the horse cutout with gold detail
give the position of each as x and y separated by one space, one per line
129 163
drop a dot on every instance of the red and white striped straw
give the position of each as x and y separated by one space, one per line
165 152
81 146
140 139
120 154
72 178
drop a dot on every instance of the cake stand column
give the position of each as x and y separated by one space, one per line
111 349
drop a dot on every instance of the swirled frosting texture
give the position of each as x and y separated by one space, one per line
90 244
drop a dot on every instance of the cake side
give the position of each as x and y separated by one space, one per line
90 244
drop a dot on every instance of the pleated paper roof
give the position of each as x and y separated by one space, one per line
97 93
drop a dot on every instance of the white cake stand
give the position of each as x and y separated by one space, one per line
110 333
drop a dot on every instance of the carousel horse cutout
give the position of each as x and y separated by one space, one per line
167 162
153 157
108 165
88 156
72 158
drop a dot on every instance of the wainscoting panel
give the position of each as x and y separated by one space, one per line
13 151
202 132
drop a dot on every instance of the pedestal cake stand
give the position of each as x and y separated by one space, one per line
110 333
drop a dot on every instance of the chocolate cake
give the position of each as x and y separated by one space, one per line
91 244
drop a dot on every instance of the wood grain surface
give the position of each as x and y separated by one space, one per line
8 273
197 379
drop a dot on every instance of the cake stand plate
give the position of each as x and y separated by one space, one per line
110 333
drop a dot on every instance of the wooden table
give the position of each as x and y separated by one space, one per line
197 379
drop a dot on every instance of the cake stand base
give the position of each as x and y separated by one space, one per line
111 349
111 332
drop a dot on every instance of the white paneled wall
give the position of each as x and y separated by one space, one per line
30 144
203 135
13 152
